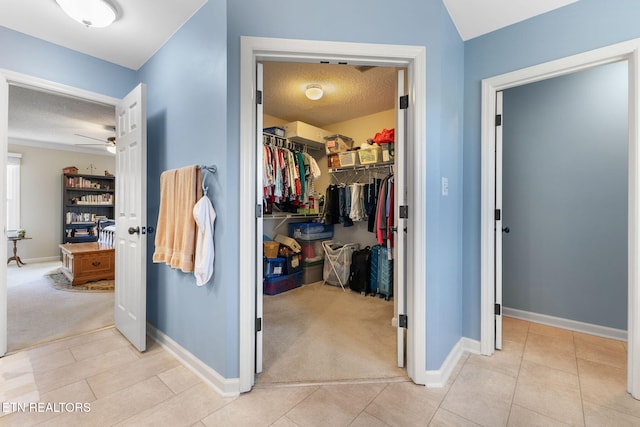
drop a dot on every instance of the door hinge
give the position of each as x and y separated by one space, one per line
258 211
498 215
404 212
403 321
404 102
498 309
259 97
498 119
259 324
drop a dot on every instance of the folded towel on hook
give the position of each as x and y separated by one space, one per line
175 241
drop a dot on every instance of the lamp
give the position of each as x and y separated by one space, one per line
314 92
111 148
90 13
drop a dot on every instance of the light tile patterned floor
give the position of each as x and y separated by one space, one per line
544 377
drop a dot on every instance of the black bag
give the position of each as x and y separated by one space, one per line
360 271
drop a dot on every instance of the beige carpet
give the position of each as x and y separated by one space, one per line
318 333
37 312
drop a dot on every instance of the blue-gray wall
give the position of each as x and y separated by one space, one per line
27 55
565 196
579 27
187 124
422 23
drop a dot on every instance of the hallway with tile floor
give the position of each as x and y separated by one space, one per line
544 377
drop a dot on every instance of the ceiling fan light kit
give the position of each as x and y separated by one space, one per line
90 13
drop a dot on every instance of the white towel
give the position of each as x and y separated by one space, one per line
205 217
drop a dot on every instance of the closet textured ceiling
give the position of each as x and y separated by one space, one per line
349 91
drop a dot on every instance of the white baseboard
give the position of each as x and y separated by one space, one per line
225 387
573 325
440 377
45 259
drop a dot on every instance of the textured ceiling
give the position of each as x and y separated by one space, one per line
53 119
349 91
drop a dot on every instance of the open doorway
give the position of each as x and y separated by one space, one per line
131 229
317 332
255 50
57 140
492 225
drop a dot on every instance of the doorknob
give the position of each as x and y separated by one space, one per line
134 230
506 230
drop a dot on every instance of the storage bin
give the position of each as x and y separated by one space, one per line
310 230
274 267
270 249
312 251
312 272
337 143
274 130
279 284
349 158
293 263
370 155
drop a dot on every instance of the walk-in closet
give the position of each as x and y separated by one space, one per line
328 162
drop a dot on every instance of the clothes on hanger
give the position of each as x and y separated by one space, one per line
288 175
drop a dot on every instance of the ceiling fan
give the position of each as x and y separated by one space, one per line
109 143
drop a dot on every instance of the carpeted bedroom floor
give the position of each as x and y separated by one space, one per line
318 333
37 312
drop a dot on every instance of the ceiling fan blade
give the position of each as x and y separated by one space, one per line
90 137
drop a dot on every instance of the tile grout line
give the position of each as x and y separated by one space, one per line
364 410
515 387
584 416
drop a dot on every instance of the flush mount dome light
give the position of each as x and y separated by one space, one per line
314 92
90 13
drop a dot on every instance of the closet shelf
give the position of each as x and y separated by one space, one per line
361 167
284 217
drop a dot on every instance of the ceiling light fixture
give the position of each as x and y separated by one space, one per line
111 148
314 92
90 13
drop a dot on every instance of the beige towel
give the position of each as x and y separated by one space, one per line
180 189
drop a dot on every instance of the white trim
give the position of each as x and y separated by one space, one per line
223 386
43 259
7 78
572 325
254 49
628 51
439 378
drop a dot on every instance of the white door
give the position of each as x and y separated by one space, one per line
259 197
400 214
4 126
498 223
131 217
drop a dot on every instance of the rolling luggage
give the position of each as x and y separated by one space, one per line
381 272
360 272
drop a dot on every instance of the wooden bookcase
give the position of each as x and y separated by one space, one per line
85 199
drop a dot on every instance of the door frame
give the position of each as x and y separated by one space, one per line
626 51
7 78
413 58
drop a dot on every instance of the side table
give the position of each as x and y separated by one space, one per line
15 256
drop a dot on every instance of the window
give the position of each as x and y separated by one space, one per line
13 191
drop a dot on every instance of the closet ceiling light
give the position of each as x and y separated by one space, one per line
90 13
314 92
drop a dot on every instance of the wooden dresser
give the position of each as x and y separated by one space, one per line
87 262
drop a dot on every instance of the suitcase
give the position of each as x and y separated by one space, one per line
360 271
381 272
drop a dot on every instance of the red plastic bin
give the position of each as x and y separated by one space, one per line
279 284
